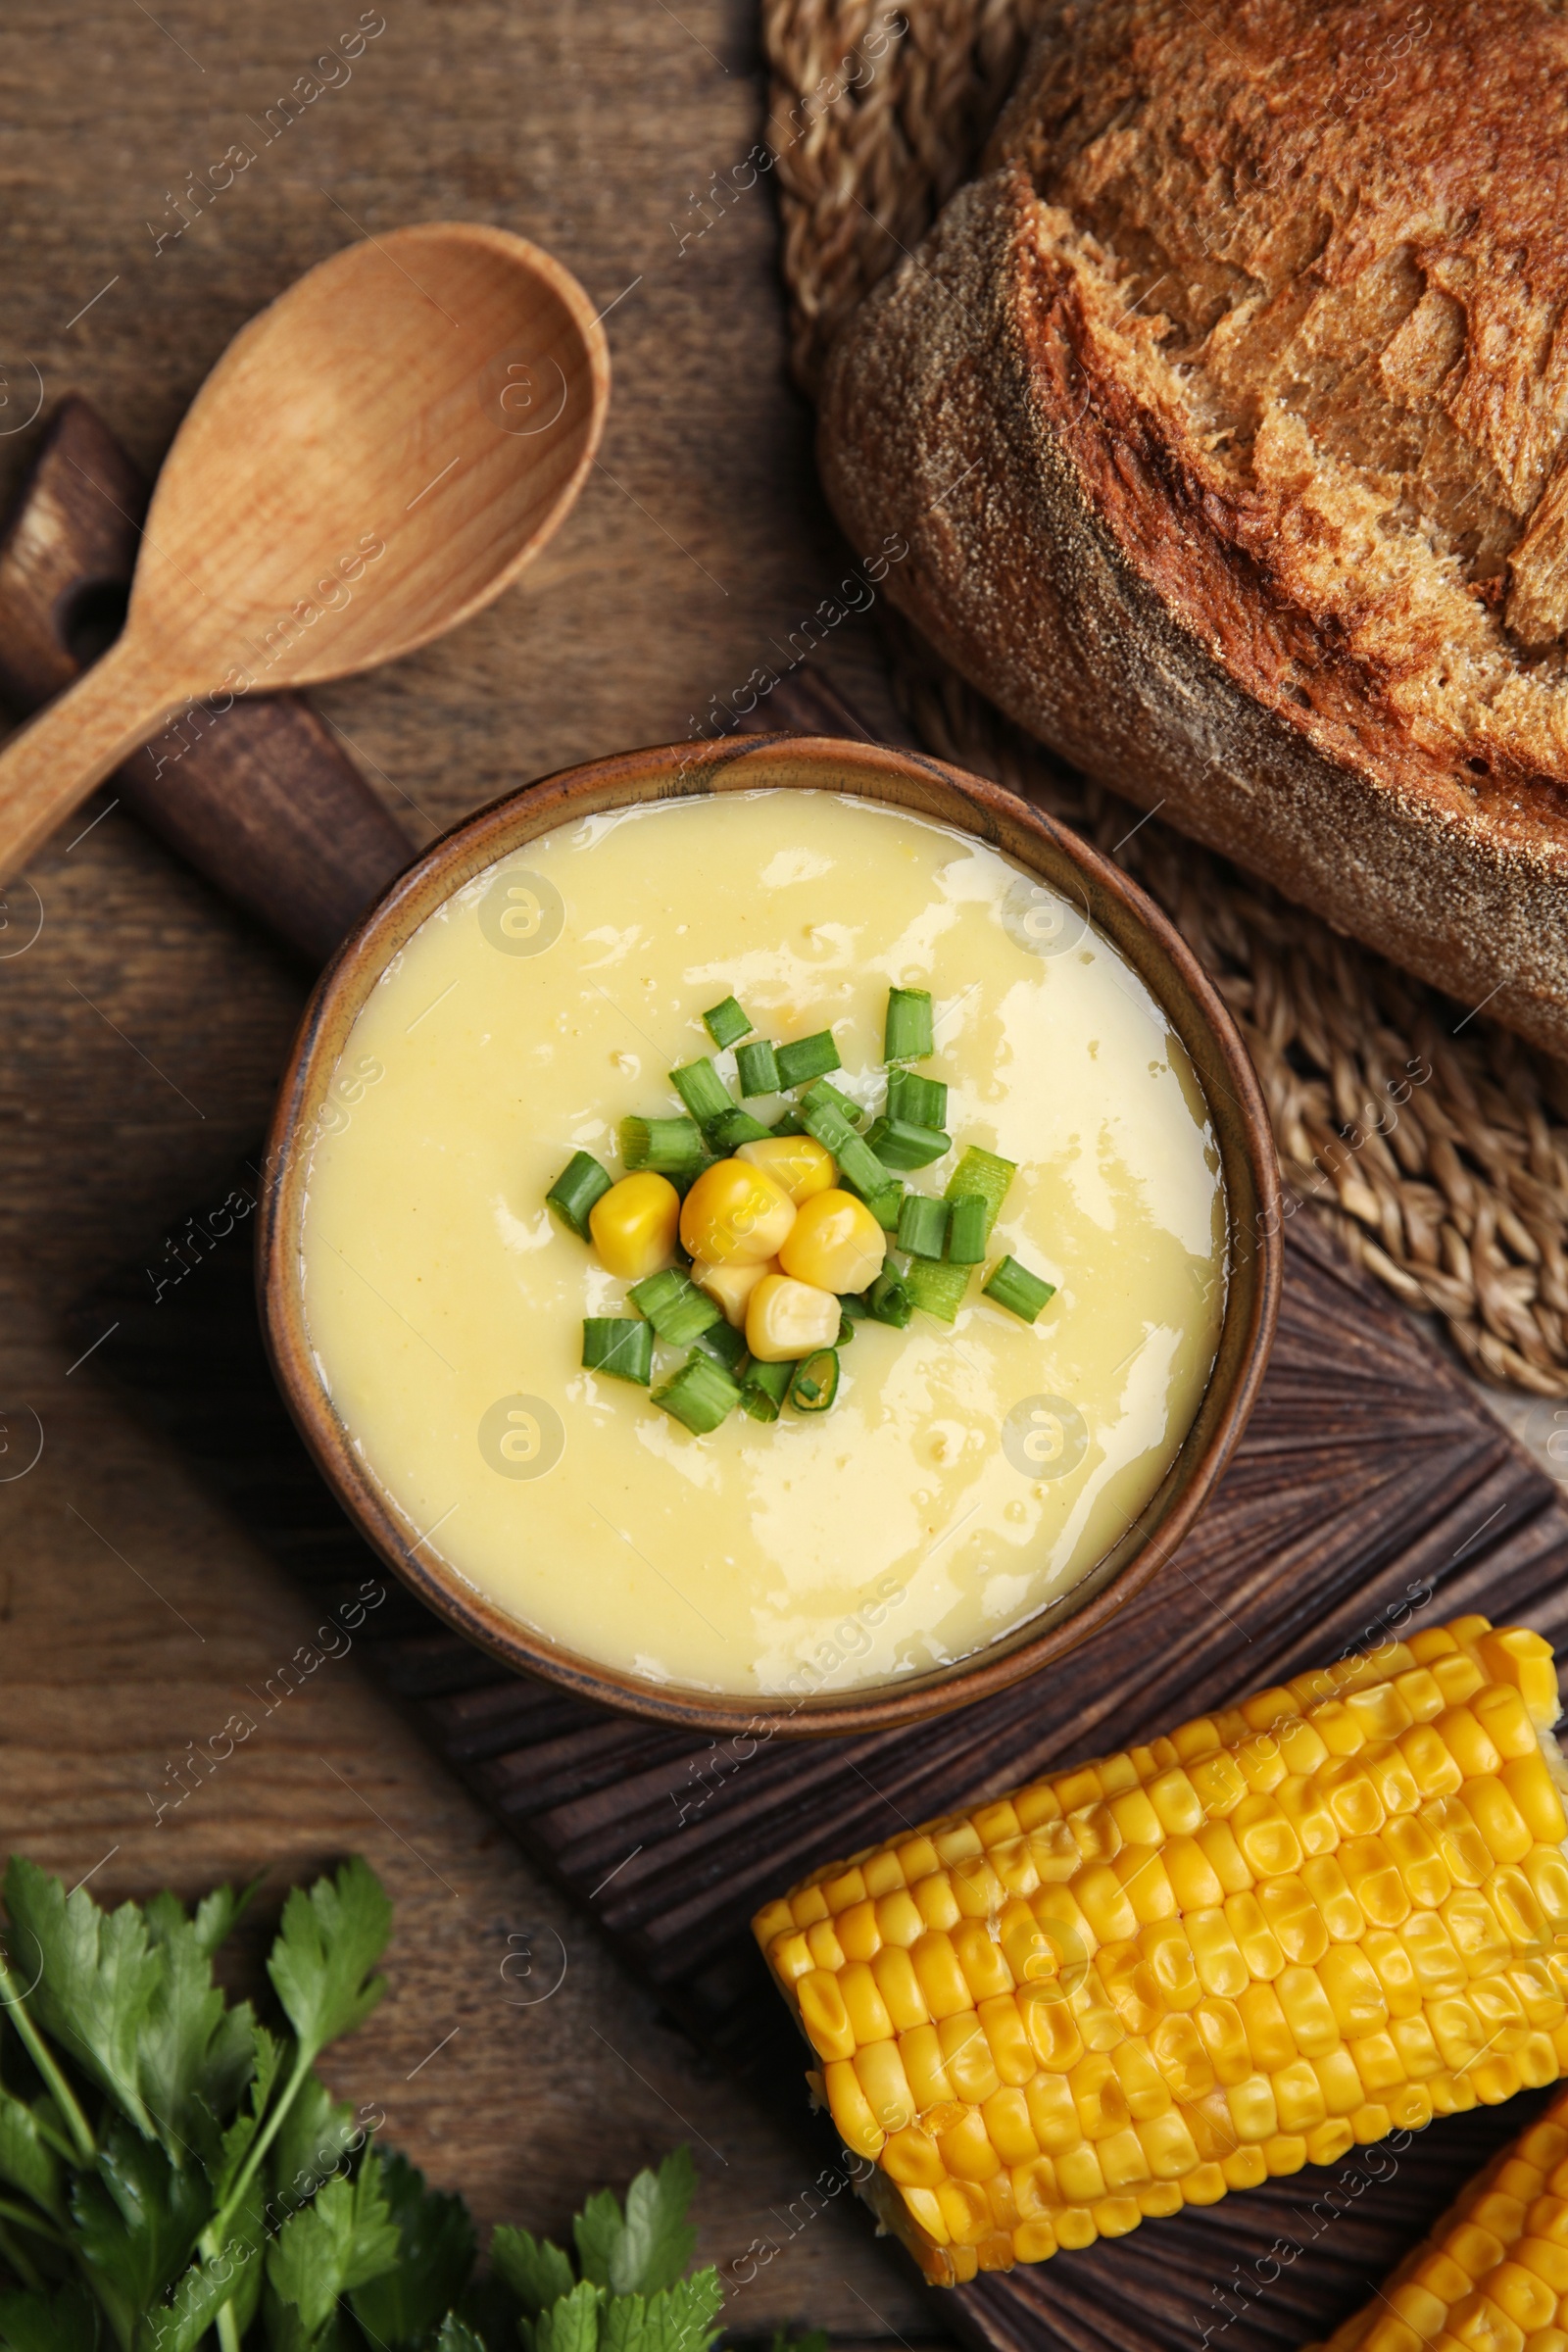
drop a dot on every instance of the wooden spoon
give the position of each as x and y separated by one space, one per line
375 457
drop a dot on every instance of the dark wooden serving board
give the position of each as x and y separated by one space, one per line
1370 1483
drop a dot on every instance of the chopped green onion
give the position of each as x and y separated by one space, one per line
887 1205
922 1225
859 1165
675 1307
790 1124
846 1326
736 1127
670 1147
726 1022
983 1173
815 1383
888 1300
923 1101
938 1289
825 1092
1014 1287
966 1233
807 1058
757 1069
701 1090
701 1395
765 1389
581 1182
909 1035
726 1346
855 1307
899 1144
620 1345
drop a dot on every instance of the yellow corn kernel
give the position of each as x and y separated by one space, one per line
851 2109
1224 2039
1376 2059
1518 1914
1177 2049
983 1962
1534 1794
1270 2039
1340 2084
1351 1795
1439 1969
976 1887
1463 1736
834 1242
1502 1715
1004 2032
1216 1952
735 1212
730 1287
918 1858
1354 1992
1053 2029
856 1927
1380 1711
1094 1832
863 2004
1518 1656
1177 1803
1396 1972
1293 1919
1458 1677
1299 2097
786 1319
900 1988
1143 2086
773 1920
1168 1956
912 2159
898 1918
1037 2241
1432 1765
1420 1691
942 1980
1217 1842
1373 1877
920 2050
935 1901
1326 1883
1269 1843
882 2078
1301 1801
1497 1818
966 2149
1219 1782
1308 2011
1338 1729
1415 1853
882 1875
967 2057
634 1225
798 1164
790 1957
824 2016
1251 1930
823 1943
1466 1856
1194 1880
1036 1805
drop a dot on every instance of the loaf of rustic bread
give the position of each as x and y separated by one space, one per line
1226 417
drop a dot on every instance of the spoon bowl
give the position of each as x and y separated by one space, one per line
374 458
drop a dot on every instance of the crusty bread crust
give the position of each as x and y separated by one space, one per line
1290 584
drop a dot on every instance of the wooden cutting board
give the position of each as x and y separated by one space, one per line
1371 1487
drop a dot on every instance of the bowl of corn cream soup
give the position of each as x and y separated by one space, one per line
776 1237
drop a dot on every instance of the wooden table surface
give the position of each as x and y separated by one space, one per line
143 1025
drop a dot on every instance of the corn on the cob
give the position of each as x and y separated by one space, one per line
1494 2274
1335 1910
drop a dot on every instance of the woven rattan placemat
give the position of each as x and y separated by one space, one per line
1431 1141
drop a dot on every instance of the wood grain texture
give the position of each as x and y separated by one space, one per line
1370 1489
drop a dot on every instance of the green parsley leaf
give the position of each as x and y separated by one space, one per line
342 2239
458 2336
330 1938
651 2245
66 2322
26 2160
571 2323
195 2055
537 2271
314 2136
679 2318
96 1977
267 2056
137 2218
434 2259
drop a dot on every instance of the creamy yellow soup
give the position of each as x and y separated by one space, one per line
968 1475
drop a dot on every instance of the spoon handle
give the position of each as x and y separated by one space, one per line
52 764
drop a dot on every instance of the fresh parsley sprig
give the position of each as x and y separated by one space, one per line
174 2176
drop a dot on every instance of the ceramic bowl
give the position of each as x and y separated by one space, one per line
928 789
